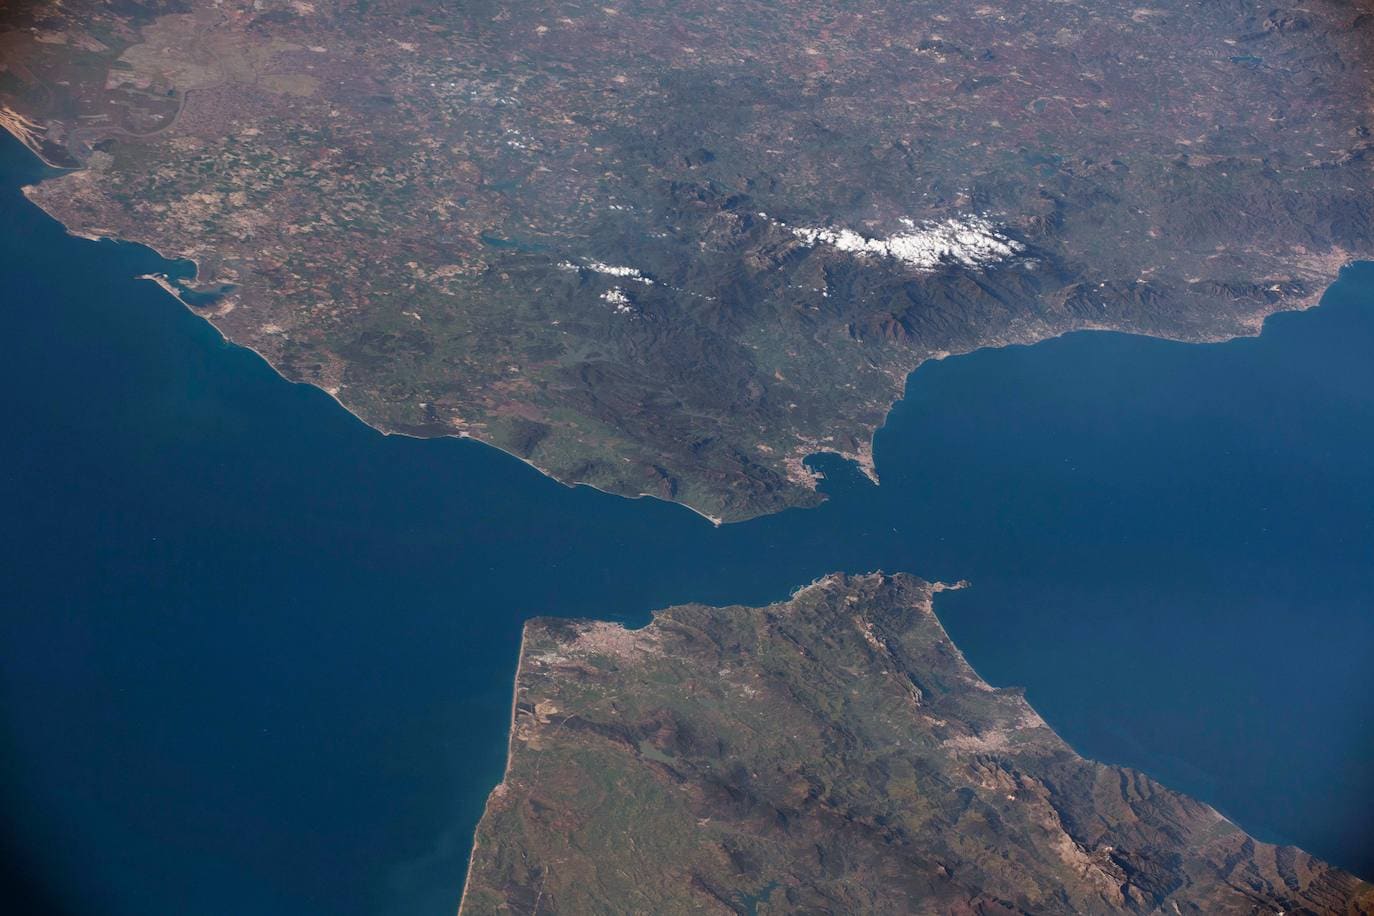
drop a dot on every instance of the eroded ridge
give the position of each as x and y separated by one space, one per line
677 247
834 753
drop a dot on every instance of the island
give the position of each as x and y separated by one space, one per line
834 753
674 247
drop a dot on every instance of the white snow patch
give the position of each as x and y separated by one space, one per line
616 297
614 270
971 241
611 270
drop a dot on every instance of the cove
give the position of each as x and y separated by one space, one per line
257 658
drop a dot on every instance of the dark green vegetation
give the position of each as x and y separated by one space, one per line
834 753
588 233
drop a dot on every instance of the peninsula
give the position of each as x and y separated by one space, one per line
834 753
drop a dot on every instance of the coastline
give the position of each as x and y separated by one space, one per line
1026 333
171 290
505 770
863 459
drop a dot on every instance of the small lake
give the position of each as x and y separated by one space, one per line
257 658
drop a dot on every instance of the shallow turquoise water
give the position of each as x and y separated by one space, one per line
255 657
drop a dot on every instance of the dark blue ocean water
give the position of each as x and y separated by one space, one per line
257 657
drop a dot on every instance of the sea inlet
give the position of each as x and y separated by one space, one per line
256 657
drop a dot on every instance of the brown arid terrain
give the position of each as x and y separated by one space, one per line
674 248
834 753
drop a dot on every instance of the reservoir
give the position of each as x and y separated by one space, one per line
257 658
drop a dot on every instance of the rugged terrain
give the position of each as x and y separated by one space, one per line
834 753
676 247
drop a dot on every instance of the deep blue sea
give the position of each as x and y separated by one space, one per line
257 658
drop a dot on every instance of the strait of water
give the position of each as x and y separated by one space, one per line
257 658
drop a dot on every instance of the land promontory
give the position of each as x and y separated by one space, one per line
835 753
